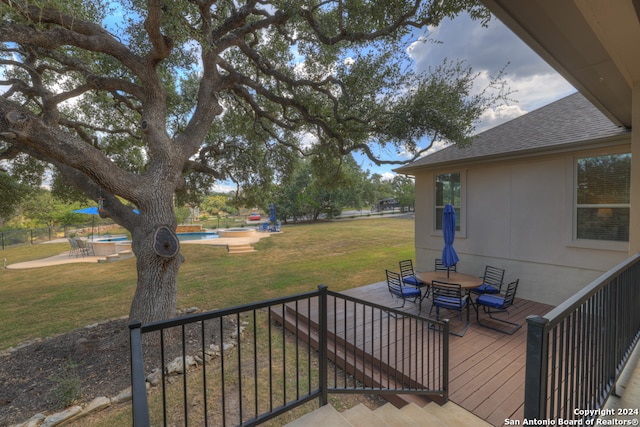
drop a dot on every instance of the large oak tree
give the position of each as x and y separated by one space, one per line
134 101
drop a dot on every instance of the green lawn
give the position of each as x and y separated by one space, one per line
53 300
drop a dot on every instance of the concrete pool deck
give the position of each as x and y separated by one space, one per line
234 245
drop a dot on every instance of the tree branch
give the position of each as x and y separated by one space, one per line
96 40
54 145
162 44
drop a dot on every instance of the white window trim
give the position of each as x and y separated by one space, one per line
462 233
572 210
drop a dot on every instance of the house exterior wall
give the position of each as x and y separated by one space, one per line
518 215
634 219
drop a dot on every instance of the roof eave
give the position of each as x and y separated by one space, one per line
614 140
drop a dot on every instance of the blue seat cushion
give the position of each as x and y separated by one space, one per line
486 289
451 303
490 300
413 281
407 292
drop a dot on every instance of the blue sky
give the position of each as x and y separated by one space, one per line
487 50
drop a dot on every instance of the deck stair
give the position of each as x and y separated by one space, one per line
298 323
388 415
240 248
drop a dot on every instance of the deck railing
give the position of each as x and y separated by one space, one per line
255 362
577 351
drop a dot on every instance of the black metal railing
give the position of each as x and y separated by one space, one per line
255 362
577 351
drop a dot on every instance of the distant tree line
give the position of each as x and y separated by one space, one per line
309 192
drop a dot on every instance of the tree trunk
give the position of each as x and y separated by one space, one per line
158 260
156 293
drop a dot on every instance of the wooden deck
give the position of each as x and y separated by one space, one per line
486 367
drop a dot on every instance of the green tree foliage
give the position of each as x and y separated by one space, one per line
11 193
42 208
139 101
217 204
320 189
404 191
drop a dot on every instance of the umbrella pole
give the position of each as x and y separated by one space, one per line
447 272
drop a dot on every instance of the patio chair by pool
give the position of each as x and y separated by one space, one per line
88 247
491 281
450 296
84 247
498 304
275 228
397 289
75 250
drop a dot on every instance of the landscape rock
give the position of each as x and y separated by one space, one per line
60 417
124 395
154 377
34 421
176 367
97 404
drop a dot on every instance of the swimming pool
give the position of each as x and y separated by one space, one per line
113 239
200 235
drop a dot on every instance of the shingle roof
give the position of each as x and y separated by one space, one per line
570 120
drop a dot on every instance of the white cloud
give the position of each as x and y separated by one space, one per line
224 187
532 82
387 176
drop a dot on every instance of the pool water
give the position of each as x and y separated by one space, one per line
200 235
113 239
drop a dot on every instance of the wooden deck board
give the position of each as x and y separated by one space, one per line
486 367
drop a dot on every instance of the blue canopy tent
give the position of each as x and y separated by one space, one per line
90 211
93 210
449 255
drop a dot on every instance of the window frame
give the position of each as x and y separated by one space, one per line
593 243
461 217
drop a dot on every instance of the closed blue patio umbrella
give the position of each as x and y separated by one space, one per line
272 212
449 255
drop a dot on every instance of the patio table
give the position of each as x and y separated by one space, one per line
466 281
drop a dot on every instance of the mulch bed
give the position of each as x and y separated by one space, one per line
39 377
47 376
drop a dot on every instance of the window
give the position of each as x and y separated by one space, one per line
602 197
447 192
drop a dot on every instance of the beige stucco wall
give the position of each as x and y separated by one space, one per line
518 215
634 229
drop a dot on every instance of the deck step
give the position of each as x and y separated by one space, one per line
297 322
240 248
323 416
388 415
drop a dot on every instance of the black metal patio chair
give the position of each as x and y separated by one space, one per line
410 278
500 303
399 290
491 281
409 275
450 296
440 266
